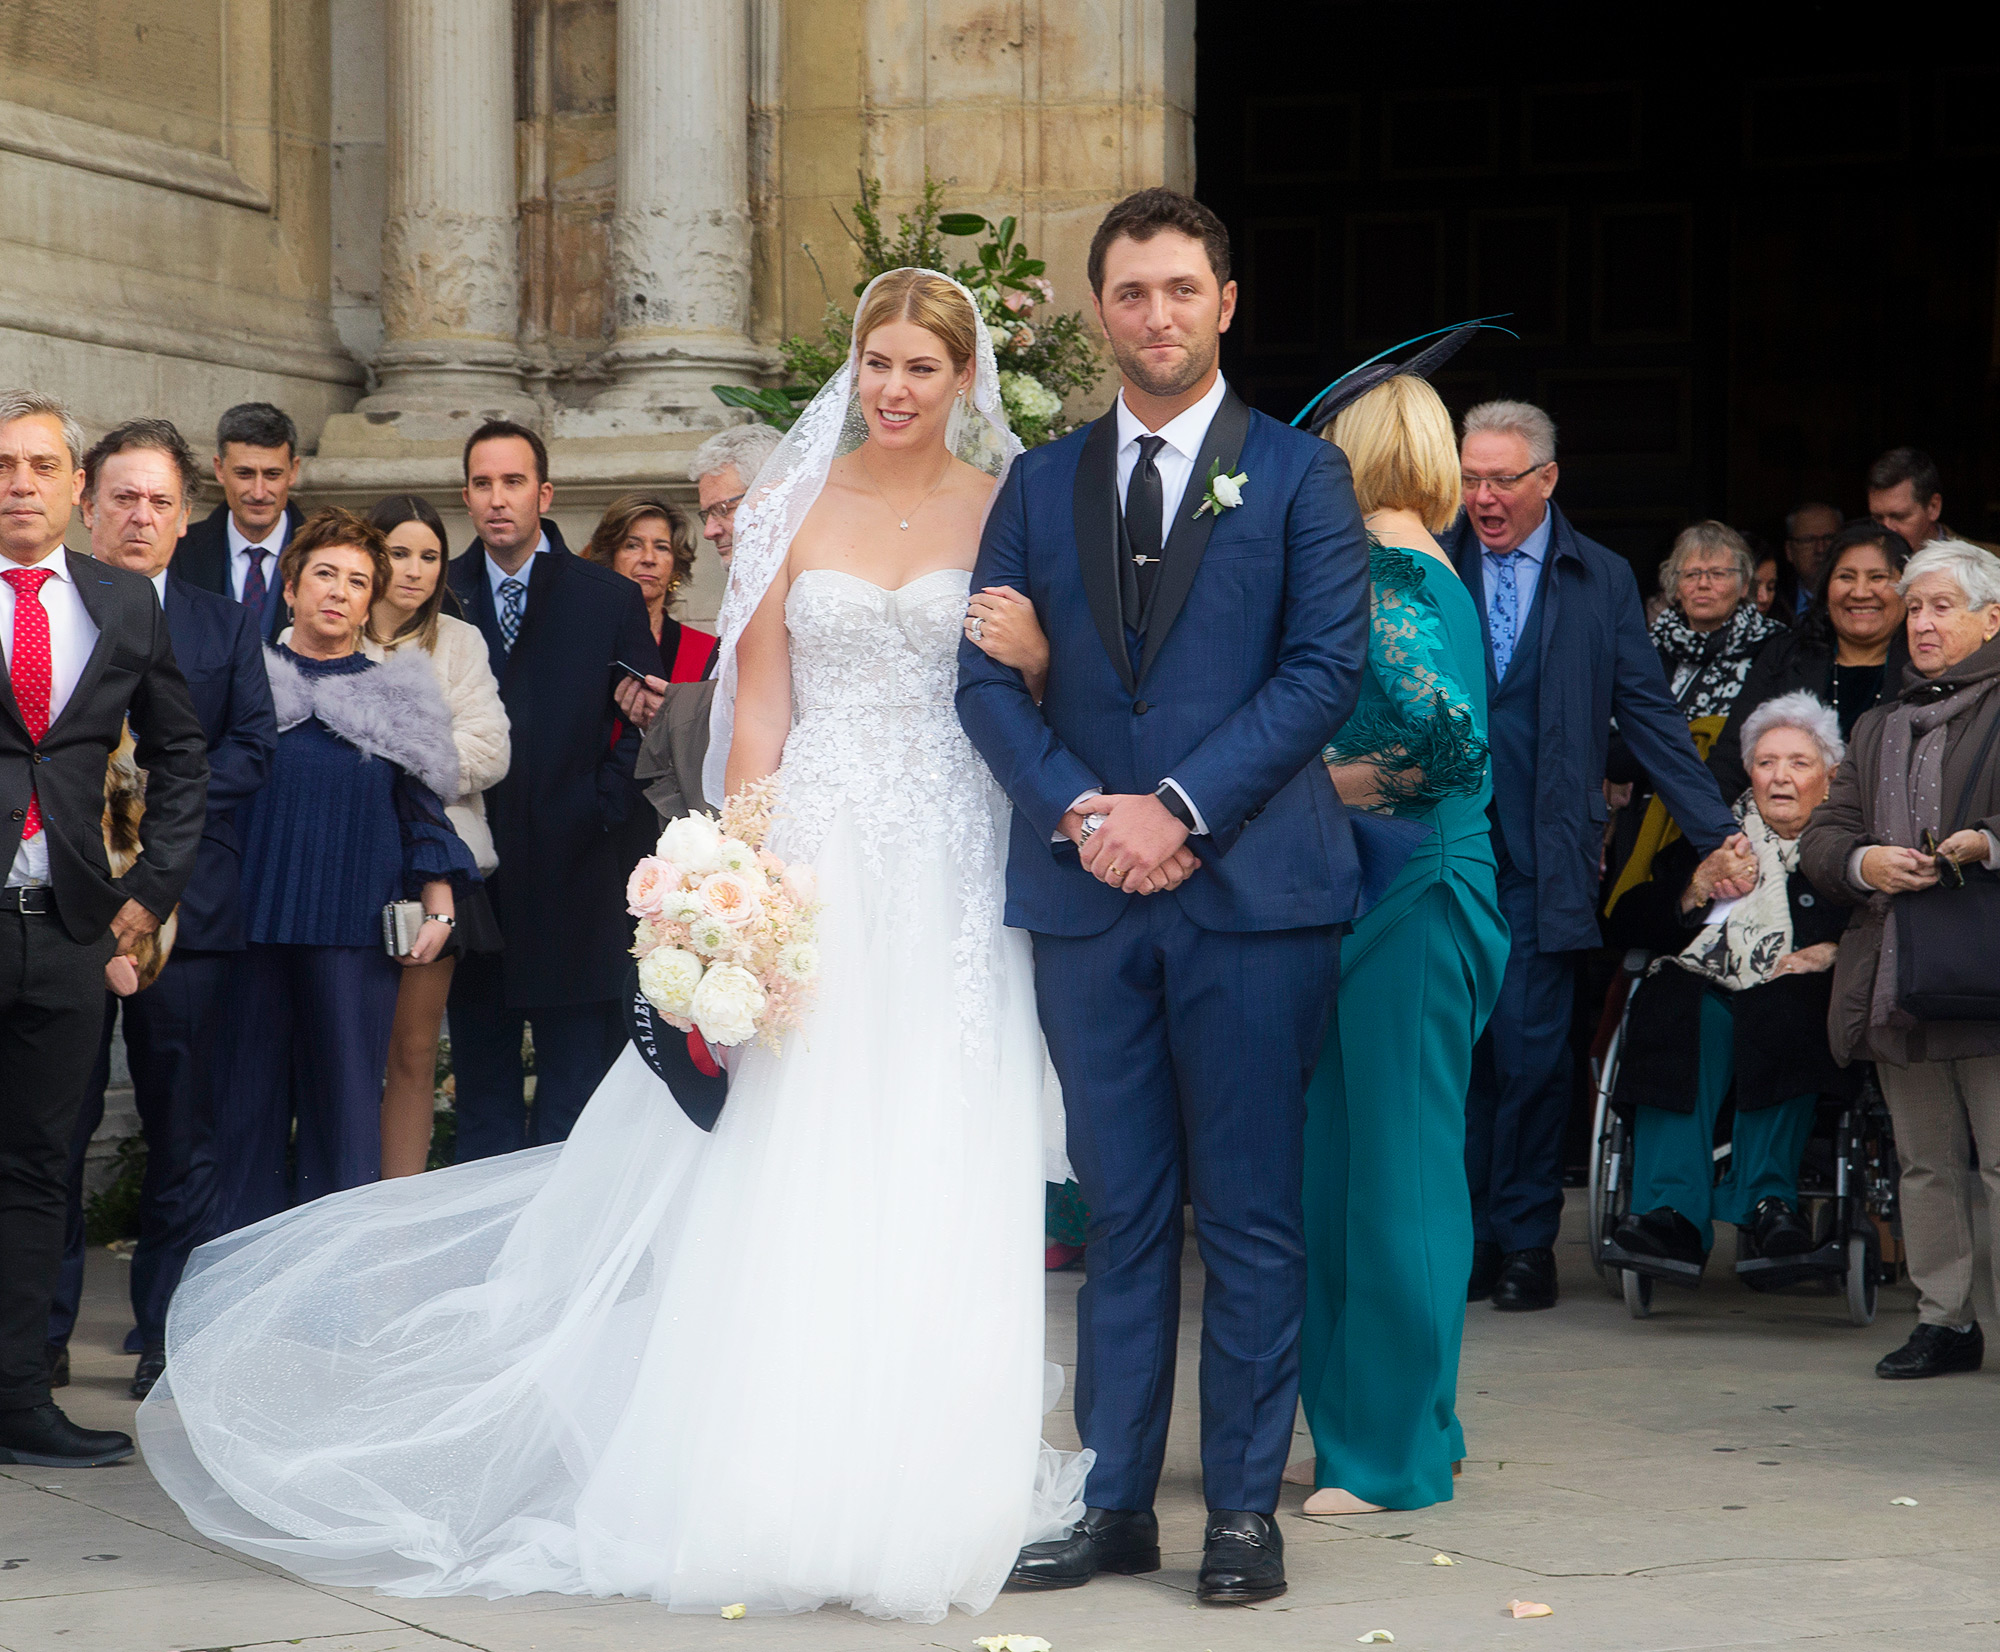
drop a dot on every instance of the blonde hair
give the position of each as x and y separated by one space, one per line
1398 441
930 301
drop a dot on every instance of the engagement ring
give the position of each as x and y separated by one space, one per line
978 629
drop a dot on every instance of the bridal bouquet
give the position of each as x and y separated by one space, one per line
725 933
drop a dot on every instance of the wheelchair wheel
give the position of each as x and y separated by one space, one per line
1861 1284
1638 1288
1600 1167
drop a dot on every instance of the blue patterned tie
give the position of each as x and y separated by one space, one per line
513 598
256 594
1505 619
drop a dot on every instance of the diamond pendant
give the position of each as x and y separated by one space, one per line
903 524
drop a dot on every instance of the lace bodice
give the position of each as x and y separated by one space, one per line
875 732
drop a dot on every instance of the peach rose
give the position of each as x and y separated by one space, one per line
648 885
728 896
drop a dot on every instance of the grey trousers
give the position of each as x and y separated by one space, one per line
1939 1108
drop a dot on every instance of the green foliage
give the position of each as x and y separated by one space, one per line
1042 358
114 1212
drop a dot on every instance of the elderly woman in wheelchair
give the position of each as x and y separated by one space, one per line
1742 1003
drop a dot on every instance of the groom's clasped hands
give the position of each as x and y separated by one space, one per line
1137 846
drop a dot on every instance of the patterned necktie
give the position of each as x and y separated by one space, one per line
1505 619
513 599
255 593
28 666
1144 511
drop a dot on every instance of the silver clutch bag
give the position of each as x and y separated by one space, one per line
400 922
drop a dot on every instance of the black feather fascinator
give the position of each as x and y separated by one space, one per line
1352 385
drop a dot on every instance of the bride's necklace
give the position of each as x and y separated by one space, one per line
903 517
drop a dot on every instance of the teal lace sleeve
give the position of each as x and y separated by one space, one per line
1419 730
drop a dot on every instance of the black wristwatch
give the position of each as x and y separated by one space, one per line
1175 804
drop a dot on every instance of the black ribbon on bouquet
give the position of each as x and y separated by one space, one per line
700 1090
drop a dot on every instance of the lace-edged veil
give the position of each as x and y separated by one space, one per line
785 489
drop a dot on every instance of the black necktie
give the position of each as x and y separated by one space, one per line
1143 512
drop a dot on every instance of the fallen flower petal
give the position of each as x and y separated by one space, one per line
736 1611
1530 1609
1904 1502
1375 1635
1012 1643
1442 1560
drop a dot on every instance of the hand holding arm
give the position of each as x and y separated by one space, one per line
1002 624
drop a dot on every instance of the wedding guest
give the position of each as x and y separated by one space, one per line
1768 587
1419 974
643 537
137 484
568 821
1924 764
1846 650
1906 496
1809 532
1738 1008
63 620
1710 632
350 820
234 550
410 614
722 469
1535 579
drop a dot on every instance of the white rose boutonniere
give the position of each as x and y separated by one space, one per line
1223 493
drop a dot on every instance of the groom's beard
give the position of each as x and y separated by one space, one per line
1171 377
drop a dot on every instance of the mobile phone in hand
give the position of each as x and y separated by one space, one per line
632 671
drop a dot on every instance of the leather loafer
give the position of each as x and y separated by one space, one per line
1527 1280
1486 1259
1242 1559
1778 1230
1664 1233
1122 1541
152 1367
43 1436
1935 1351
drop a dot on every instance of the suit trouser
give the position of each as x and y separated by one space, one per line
575 1045
51 1019
307 1043
1939 1108
170 1034
1520 1094
1184 1056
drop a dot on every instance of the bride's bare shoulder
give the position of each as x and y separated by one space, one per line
971 481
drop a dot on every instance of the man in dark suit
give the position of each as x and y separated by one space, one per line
1185 867
137 482
569 821
234 550
87 648
1566 652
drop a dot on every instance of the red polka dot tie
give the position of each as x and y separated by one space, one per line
28 665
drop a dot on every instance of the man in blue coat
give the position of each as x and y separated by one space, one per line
569 821
1566 653
1185 866
138 483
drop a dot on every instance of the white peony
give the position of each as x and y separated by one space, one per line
801 882
726 1004
1228 490
710 934
1026 397
799 961
693 843
668 977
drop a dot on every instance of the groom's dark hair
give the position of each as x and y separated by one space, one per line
1144 214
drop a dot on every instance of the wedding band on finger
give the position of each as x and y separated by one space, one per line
977 627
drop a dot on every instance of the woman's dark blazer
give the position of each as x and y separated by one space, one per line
1781 1043
1799 658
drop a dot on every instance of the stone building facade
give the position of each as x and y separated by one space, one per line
394 217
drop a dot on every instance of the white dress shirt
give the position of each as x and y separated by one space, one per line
72 635
495 575
239 554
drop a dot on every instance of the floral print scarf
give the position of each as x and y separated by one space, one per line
1706 669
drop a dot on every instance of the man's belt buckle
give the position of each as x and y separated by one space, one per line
29 899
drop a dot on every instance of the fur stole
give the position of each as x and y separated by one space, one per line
124 808
392 710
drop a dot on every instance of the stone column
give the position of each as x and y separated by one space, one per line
451 289
680 241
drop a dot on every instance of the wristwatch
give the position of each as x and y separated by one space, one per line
1090 826
440 918
1175 805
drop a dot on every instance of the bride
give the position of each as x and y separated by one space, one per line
795 1361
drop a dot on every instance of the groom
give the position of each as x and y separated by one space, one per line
1185 867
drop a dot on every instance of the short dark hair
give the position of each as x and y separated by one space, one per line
256 424
1906 464
158 434
332 525
1142 215
493 430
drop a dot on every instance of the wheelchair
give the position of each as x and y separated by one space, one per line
1847 1189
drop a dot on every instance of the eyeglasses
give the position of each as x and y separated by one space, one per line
1709 576
1499 484
711 514
1814 541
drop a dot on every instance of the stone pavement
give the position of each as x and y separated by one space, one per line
1721 1475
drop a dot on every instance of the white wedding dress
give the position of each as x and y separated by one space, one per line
793 1362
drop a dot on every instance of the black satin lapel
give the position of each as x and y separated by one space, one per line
1094 504
1188 540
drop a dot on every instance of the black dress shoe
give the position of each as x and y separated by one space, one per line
1935 1351
1527 1280
1123 1541
42 1435
152 1367
1486 1259
1664 1233
59 1365
1778 1230
1242 1558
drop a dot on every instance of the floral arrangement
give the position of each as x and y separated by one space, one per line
1042 357
725 933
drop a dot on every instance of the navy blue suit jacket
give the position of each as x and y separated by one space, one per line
216 645
1597 663
569 821
202 559
1251 660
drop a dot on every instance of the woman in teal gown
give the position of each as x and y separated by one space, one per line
1388 1215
